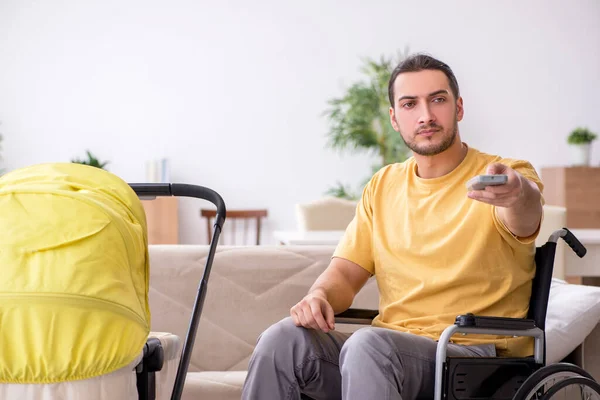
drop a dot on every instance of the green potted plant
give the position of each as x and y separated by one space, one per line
359 121
580 140
91 160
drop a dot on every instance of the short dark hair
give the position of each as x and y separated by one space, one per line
420 62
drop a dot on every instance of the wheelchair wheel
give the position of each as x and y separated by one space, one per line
572 388
547 383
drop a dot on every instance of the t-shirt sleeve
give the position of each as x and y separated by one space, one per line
356 243
527 171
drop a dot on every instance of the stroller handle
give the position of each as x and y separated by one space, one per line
150 190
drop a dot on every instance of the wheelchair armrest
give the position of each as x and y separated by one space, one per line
469 323
356 316
472 321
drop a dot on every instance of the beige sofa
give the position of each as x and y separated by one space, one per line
249 289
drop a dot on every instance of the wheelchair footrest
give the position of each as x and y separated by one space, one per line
491 378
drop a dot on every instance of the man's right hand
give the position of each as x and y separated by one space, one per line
314 311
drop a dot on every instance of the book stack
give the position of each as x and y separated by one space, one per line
158 171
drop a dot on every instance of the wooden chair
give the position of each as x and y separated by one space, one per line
233 216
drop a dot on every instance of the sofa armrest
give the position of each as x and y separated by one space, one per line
165 378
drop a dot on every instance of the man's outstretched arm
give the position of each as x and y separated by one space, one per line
518 201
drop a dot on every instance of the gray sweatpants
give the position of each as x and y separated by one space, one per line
291 362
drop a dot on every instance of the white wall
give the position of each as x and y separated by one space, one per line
232 92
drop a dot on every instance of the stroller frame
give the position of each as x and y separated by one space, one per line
471 377
153 356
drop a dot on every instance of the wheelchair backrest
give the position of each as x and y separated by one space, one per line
540 290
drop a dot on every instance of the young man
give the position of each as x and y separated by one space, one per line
436 249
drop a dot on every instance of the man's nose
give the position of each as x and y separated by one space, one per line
427 116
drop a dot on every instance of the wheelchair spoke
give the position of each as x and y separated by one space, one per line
570 387
544 386
586 395
548 382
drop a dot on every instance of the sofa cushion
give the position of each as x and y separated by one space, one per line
214 385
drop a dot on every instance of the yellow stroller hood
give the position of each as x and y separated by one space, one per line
74 280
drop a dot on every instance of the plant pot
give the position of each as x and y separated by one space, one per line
579 154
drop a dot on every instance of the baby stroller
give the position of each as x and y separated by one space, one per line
74 312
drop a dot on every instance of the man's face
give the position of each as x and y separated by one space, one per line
425 112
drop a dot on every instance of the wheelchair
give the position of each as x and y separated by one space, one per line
504 378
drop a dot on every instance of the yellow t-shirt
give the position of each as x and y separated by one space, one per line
436 253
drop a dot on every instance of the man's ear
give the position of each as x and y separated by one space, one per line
393 120
460 110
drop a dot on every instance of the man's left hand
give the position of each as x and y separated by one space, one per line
507 195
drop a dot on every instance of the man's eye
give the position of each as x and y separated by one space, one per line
409 104
439 100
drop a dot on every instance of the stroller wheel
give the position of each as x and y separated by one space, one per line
559 381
